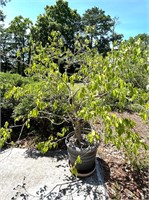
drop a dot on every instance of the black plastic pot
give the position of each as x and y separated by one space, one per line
87 155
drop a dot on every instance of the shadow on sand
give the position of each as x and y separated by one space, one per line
92 187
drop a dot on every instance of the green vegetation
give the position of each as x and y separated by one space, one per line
69 76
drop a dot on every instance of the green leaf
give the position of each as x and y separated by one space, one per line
54 144
74 171
18 54
78 160
6 125
34 113
55 105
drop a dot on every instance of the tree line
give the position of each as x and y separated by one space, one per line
19 39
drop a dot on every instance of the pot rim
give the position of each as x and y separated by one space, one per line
96 144
86 130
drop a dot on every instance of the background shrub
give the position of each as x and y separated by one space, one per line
20 99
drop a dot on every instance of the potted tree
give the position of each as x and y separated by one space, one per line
77 95
99 84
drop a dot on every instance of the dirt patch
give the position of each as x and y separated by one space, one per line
124 183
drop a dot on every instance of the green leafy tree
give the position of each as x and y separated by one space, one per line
16 44
59 17
99 27
2 3
144 38
2 16
137 72
6 64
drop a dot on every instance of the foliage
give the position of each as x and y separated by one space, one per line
100 29
59 17
7 82
52 141
6 64
144 40
69 23
137 69
58 97
129 65
73 168
2 16
2 3
17 108
98 85
5 134
16 45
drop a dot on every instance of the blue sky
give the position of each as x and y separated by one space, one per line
133 14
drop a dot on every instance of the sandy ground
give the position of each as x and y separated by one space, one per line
29 175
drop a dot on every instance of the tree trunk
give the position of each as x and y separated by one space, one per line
78 130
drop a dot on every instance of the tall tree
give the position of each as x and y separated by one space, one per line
15 39
2 3
144 40
2 16
59 17
6 64
99 28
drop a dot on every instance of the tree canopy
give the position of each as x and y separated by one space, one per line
14 40
100 29
94 26
59 17
3 3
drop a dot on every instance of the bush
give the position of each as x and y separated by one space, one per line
129 65
7 82
20 98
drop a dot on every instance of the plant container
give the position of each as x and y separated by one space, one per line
87 155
